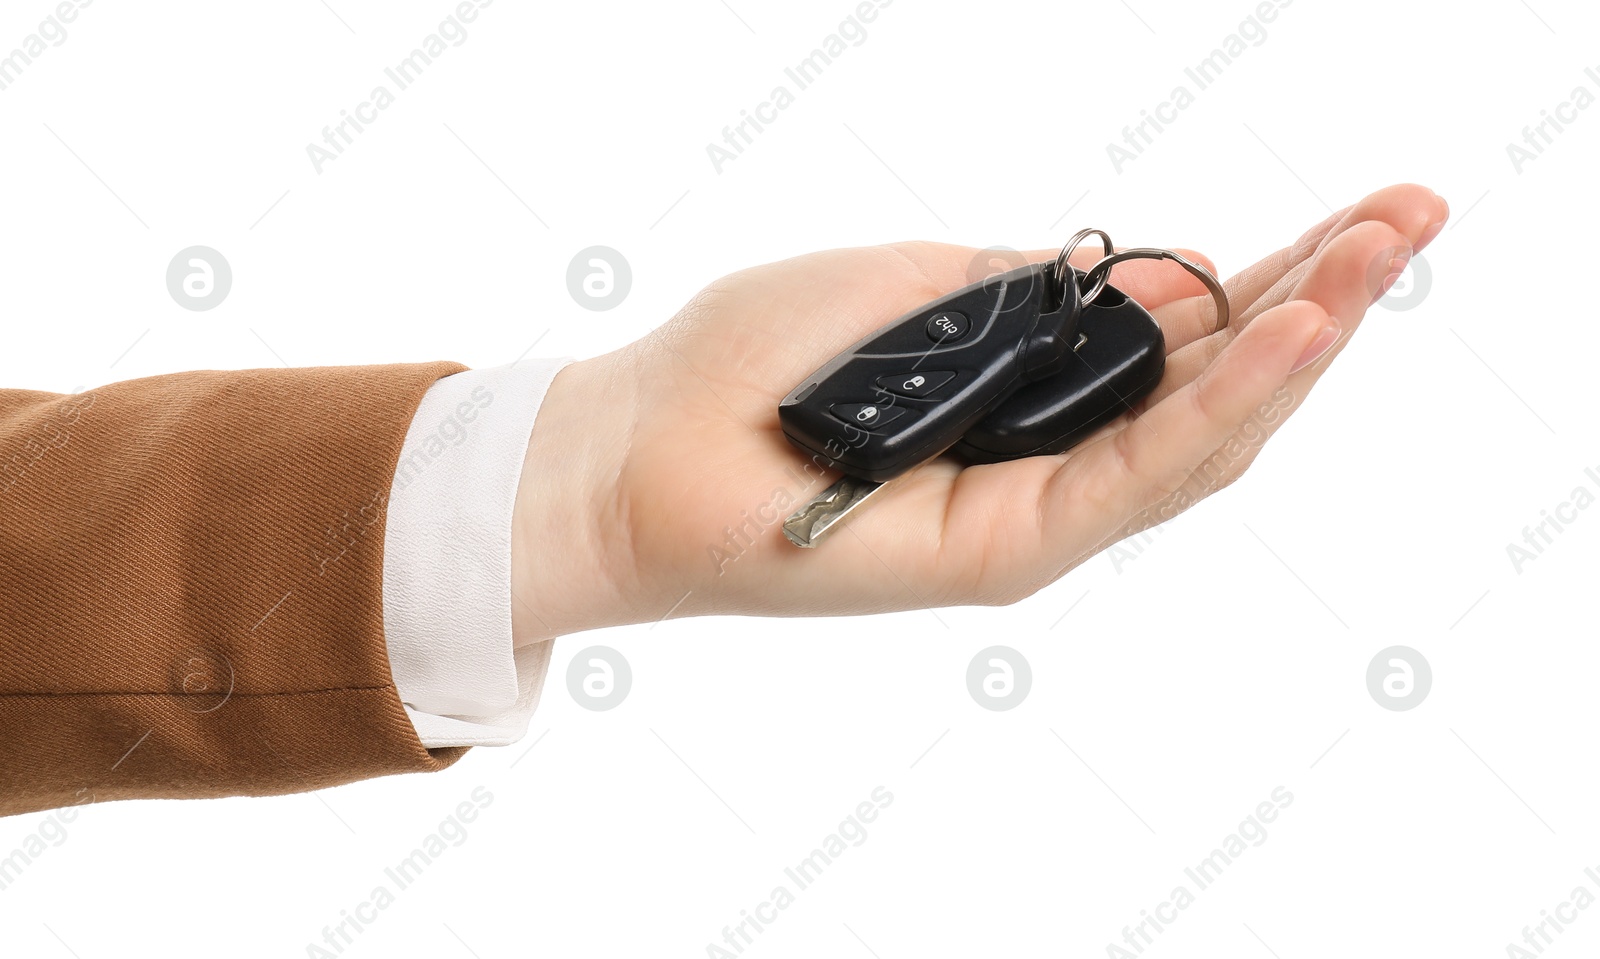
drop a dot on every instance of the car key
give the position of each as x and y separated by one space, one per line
909 391
1113 364
906 393
1118 356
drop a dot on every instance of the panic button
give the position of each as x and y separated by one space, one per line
917 384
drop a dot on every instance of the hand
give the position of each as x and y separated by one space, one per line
657 476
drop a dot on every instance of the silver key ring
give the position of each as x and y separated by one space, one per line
1063 267
1100 274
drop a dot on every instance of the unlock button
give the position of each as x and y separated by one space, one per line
917 384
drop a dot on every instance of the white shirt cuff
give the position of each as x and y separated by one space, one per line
447 559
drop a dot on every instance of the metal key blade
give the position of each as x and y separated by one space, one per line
811 522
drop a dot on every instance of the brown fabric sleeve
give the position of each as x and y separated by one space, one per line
191 586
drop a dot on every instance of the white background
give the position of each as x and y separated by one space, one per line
1182 687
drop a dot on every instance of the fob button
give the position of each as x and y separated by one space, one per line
866 415
916 384
947 327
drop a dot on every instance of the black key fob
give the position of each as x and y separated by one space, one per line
911 390
1119 358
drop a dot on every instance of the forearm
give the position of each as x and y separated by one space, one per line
192 591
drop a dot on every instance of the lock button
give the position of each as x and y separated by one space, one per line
866 415
917 384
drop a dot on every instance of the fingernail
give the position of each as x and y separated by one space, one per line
1433 229
1431 232
1319 346
1397 266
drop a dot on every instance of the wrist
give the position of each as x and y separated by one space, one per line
571 545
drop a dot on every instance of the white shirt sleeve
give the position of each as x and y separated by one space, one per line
447 559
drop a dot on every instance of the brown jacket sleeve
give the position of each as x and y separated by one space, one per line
191 586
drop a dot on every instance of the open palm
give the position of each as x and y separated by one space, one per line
700 483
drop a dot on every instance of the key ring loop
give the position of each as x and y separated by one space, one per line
1100 274
1063 266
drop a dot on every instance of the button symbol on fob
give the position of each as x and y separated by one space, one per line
869 415
916 385
947 327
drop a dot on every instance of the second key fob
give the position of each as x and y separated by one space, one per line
1120 356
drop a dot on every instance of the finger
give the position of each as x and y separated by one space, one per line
1409 208
1342 280
1153 457
1184 321
1343 284
1355 260
1413 210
